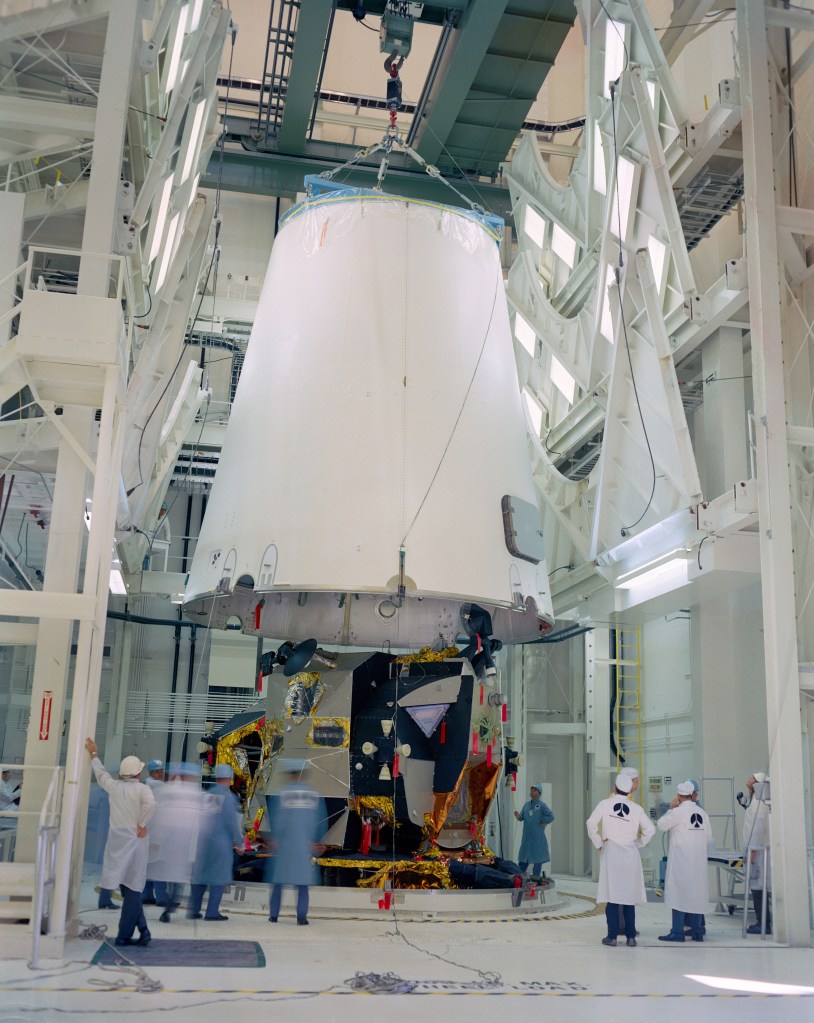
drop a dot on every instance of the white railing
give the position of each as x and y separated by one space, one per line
45 864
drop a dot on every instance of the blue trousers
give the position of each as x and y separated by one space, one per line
132 915
156 890
695 922
213 904
536 868
277 895
612 916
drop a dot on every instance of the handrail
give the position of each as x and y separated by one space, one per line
45 864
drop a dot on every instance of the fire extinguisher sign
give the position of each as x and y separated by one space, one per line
45 714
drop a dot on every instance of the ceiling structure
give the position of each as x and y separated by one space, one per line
482 66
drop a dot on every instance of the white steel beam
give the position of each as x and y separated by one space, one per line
788 839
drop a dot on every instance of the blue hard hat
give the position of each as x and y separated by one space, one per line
155 765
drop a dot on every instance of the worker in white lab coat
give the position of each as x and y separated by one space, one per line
756 839
125 861
618 828
686 885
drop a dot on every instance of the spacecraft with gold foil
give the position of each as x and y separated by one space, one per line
375 490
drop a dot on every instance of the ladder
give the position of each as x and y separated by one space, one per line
283 18
625 656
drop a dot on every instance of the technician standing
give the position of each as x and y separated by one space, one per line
686 886
536 816
297 819
756 841
220 836
618 828
125 861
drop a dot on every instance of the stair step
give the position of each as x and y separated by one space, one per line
16 879
16 910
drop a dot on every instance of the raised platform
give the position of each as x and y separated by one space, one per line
408 903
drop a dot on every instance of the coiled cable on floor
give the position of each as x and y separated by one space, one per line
381 983
143 983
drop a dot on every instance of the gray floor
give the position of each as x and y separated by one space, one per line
458 969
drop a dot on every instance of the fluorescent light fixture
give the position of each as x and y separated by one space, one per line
626 182
159 218
669 575
193 139
166 254
193 192
600 176
658 259
525 334
177 47
564 245
534 225
533 410
117 580
616 38
195 17
562 379
606 319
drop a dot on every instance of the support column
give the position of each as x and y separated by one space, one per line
783 712
101 220
66 535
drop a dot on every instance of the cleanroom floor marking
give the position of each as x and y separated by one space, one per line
727 979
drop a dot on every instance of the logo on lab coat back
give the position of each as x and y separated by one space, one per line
696 820
621 810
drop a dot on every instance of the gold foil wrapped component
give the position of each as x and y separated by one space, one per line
384 804
482 784
426 653
329 723
443 803
360 864
411 874
303 696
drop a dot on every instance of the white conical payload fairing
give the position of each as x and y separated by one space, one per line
374 487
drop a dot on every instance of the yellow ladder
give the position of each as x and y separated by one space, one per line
628 719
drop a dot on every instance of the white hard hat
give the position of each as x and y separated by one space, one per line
130 767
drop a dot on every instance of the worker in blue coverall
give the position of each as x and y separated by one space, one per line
220 835
297 819
536 816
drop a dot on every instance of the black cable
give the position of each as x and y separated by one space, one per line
498 281
141 316
700 545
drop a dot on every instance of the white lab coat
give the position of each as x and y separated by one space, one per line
131 806
180 807
686 885
618 828
756 833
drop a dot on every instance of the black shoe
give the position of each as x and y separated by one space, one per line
144 939
193 916
219 916
272 919
125 941
302 921
148 902
107 905
156 902
165 917
755 929
609 941
631 942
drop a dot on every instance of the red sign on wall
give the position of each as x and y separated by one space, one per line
45 714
